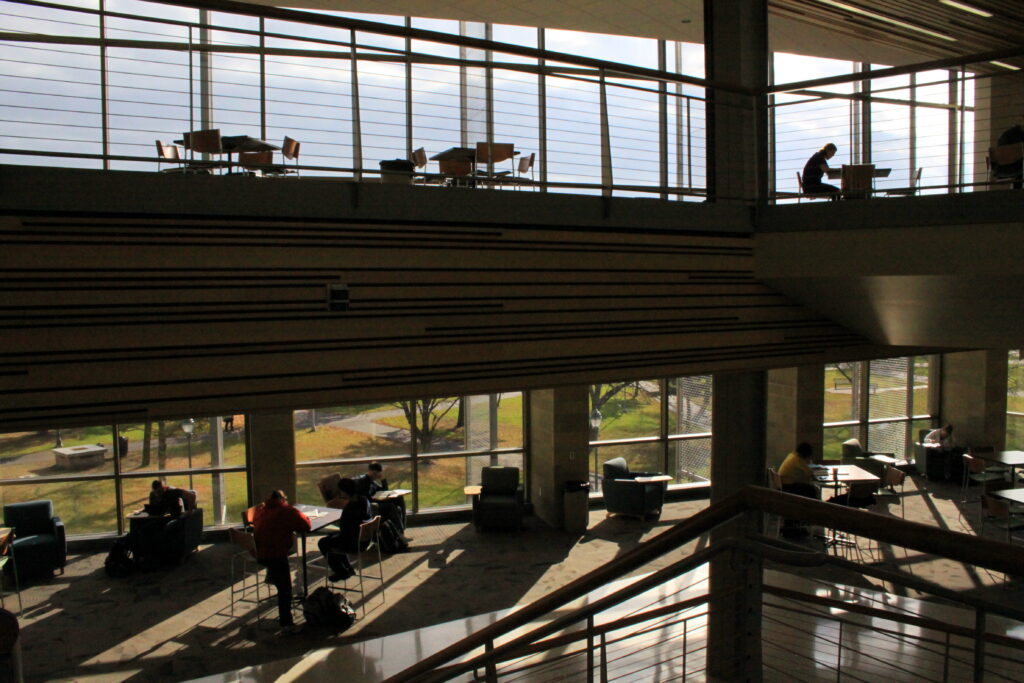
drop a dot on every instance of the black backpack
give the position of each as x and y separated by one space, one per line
391 541
329 610
119 562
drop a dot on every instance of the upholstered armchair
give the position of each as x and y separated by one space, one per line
624 495
165 539
854 454
40 544
500 501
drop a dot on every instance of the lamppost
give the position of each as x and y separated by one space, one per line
188 426
595 429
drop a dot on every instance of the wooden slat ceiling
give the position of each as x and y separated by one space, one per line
972 33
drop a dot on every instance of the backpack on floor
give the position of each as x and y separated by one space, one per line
391 541
329 610
119 562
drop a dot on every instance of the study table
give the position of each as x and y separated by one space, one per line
239 143
836 476
1012 495
857 179
319 517
1012 459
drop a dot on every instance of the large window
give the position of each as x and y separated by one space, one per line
434 446
1015 402
881 403
656 425
94 483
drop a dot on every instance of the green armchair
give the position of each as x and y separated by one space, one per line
624 495
40 543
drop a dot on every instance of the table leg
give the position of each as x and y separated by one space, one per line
305 576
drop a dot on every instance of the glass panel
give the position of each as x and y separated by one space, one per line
397 472
915 429
920 399
510 420
222 496
360 431
888 397
1015 432
833 440
1015 383
640 457
889 437
890 131
172 447
691 459
85 507
439 423
441 480
49 453
841 395
626 409
689 405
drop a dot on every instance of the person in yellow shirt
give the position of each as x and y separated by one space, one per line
796 473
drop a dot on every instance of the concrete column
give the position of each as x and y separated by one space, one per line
559 438
974 397
736 54
795 410
271 454
737 459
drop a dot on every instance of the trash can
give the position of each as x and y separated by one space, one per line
396 171
122 446
575 499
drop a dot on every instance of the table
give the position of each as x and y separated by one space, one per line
1012 495
461 161
1012 459
857 179
844 474
653 479
80 457
240 143
472 490
319 517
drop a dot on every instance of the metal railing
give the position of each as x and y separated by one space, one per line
579 633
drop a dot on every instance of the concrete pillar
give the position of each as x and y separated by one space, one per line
974 396
559 438
736 54
271 440
795 410
737 459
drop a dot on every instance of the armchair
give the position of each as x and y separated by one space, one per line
40 542
873 462
165 539
624 495
500 502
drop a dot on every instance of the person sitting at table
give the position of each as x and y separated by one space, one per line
1014 135
796 473
391 509
164 500
816 168
274 523
355 509
940 438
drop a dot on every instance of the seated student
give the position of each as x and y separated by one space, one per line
815 169
940 438
355 509
796 473
1013 135
392 509
165 500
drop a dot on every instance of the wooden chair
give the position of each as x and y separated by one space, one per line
490 153
169 153
204 142
976 471
1001 157
457 172
290 151
525 168
809 196
7 557
893 478
255 163
369 541
997 511
328 486
858 180
419 160
915 181
244 566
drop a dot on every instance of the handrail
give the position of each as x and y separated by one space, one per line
963 547
682 533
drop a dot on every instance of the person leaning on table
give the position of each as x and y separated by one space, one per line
796 473
273 525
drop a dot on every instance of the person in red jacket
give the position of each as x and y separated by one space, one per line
273 525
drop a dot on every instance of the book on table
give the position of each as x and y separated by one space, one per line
393 493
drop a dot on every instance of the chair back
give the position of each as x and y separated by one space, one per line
243 539
254 160
189 497
290 149
996 507
1004 155
30 518
204 141
167 152
799 183
499 479
894 477
493 152
852 449
616 468
5 543
974 465
916 180
368 531
526 163
458 167
328 486
774 479
862 489
249 516
419 157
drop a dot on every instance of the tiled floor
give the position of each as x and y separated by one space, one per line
176 624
